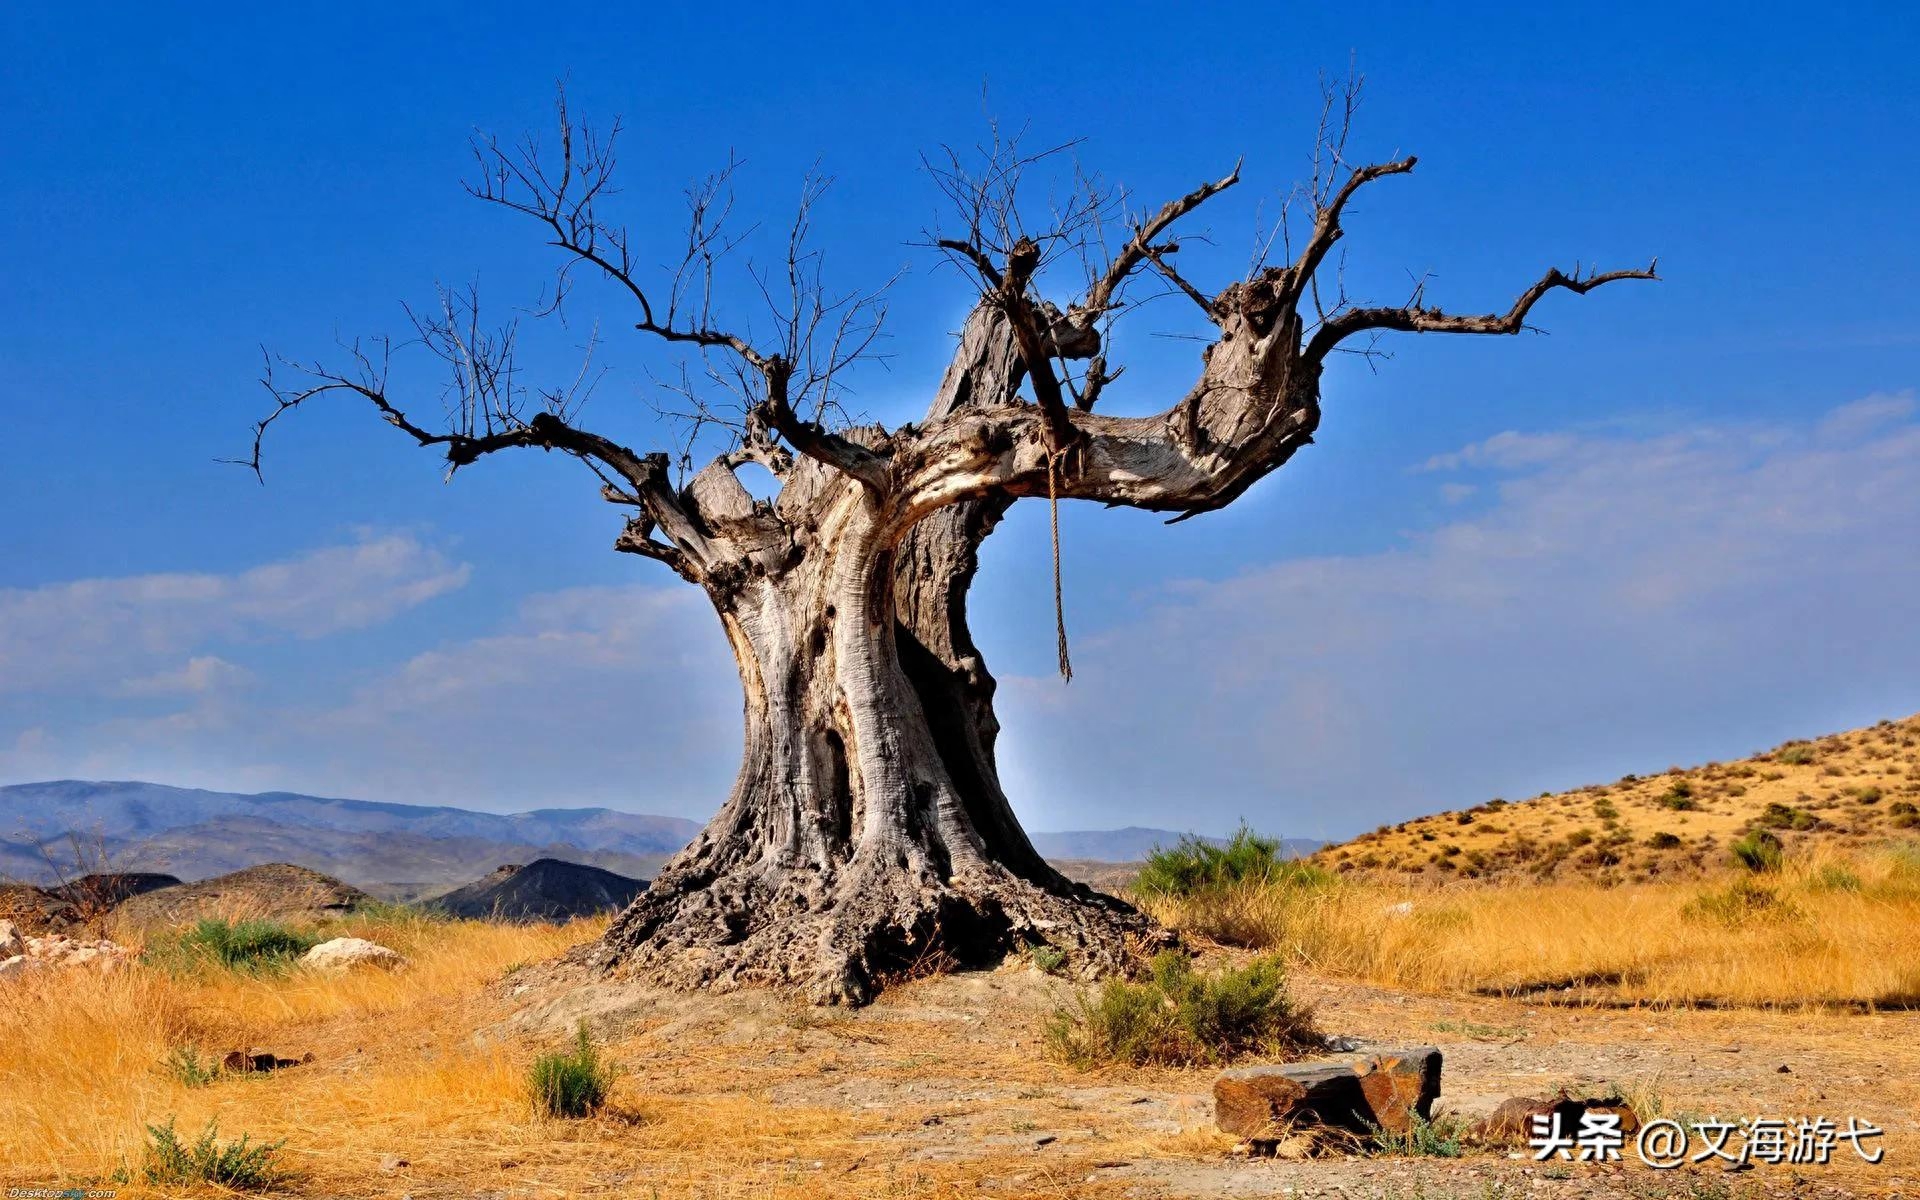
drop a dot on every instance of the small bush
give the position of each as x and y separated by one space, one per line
1048 958
186 1066
243 945
1663 841
241 1166
1758 851
1867 795
1783 816
1679 800
1195 865
573 1084
1794 754
1442 1137
1740 903
1606 810
1835 878
1177 1016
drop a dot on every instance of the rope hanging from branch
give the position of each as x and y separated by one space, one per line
1059 602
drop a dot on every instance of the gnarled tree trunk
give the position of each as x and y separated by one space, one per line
867 827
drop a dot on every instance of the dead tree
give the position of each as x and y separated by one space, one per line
867 828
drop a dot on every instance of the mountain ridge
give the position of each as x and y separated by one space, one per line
198 833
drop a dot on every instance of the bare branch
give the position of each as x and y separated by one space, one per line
1141 247
1415 318
1326 221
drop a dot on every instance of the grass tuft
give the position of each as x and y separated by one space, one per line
1177 1016
1193 865
572 1084
188 1068
1759 850
245 945
1443 1136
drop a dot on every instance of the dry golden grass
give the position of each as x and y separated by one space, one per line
417 1063
1846 791
1826 929
82 1061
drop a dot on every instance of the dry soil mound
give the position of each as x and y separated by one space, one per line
280 891
106 889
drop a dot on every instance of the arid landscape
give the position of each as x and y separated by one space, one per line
774 603
1665 992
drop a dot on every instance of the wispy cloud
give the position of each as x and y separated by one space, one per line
134 633
1619 599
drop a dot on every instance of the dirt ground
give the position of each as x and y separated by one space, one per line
942 1088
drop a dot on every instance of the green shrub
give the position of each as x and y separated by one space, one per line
573 1084
185 1065
1442 1137
1835 878
1867 795
1194 865
240 1166
1663 840
1605 809
1783 816
1739 903
1176 1016
1680 799
242 945
1048 958
1794 754
1758 851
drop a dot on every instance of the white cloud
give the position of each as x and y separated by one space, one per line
1505 450
95 635
1622 600
1866 414
201 674
616 695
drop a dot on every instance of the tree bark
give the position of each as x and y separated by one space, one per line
867 834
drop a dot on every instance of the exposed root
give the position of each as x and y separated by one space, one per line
841 941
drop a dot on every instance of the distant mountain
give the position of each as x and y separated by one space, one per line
546 890
1132 844
398 851
194 834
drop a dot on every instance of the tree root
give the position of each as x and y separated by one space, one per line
842 941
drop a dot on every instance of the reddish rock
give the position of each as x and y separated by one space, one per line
1512 1122
1384 1091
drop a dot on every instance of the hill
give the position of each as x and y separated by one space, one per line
1844 791
195 833
546 890
276 890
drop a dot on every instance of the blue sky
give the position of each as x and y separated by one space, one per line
1674 529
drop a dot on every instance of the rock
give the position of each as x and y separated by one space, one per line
18 965
11 943
393 1162
1386 1090
1512 1122
57 950
346 953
